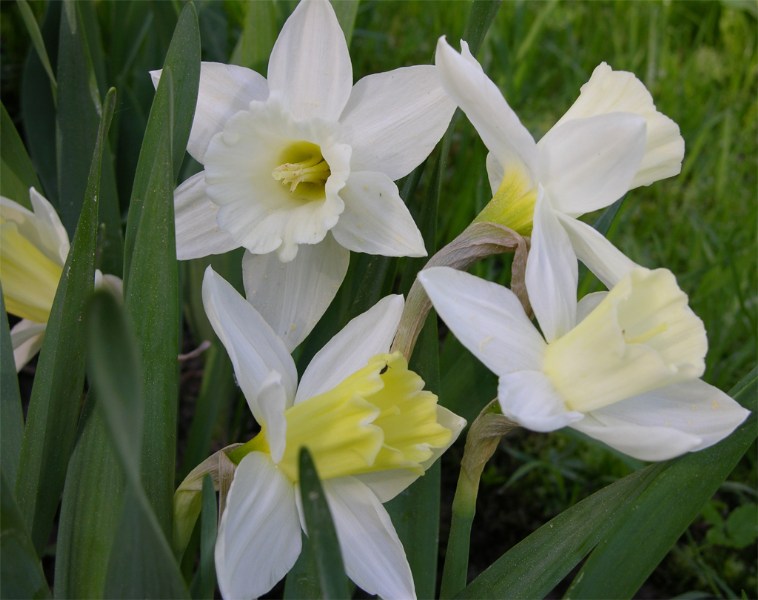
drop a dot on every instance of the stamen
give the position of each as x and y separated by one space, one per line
303 170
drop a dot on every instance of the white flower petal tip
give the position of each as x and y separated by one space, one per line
477 96
376 220
310 63
609 91
666 423
253 347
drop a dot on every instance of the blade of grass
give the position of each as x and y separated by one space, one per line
257 37
346 11
11 413
55 399
322 537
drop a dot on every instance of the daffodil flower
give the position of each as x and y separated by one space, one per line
32 255
610 141
303 159
621 366
372 430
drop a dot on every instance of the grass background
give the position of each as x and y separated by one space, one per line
699 61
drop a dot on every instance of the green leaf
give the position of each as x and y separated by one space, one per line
150 267
346 11
39 44
183 60
21 573
322 537
533 567
79 111
17 173
257 37
141 564
55 399
649 527
11 414
88 521
480 17
77 123
204 583
38 108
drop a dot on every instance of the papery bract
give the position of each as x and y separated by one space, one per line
372 430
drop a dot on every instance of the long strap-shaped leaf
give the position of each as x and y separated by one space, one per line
16 170
150 267
615 517
56 395
11 414
141 564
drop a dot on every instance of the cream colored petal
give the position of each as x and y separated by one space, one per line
293 296
224 90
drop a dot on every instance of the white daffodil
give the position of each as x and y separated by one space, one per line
33 250
621 366
303 159
370 426
610 141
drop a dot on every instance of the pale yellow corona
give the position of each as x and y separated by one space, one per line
29 277
378 419
513 203
303 170
641 337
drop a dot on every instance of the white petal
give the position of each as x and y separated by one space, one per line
197 233
495 172
224 90
376 220
293 296
395 119
606 261
529 398
271 402
310 63
49 219
659 425
388 484
587 304
484 105
26 338
259 536
586 164
363 337
610 91
551 273
487 318
373 555
254 349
